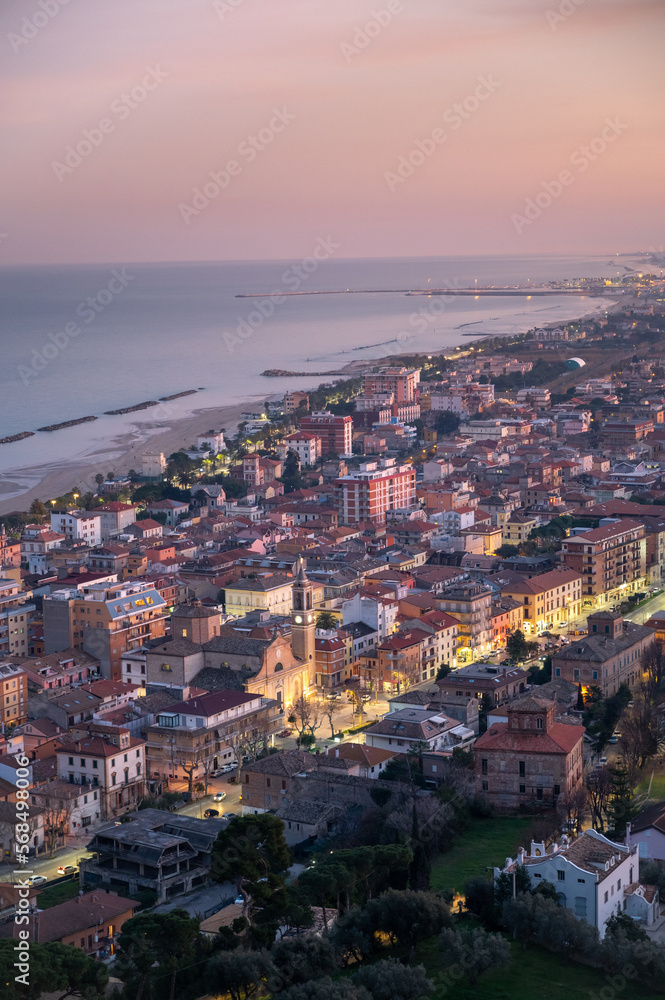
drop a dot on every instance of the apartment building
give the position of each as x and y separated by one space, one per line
507 617
375 490
400 382
108 759
105 620
15 611
532 759
116 517
517 527
272 593
548 600
470 602
608 656
306 446
336 432
37 541
13 696
439 641
376 611
611 560
82 524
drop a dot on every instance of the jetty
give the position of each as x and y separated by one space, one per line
67 423
132 409
16 437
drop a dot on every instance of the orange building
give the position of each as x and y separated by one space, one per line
377 488
13 695
611 559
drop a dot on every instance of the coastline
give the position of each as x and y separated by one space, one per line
22 485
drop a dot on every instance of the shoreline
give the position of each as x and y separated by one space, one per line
22 485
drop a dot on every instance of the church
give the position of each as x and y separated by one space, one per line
277 659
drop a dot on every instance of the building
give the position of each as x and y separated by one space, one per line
549 599
375 490
478 680
13 696
266 783
409 728
401 383
108 759
116 518
106 620
83 524
194 737
594 877
305 820
336 432
91 922
306 446
297 400
166 854
371 760
530 760
270 592
607 657
470 602
611 560
378 612
517 528
507 617
15 610
153 464
37 541
646 832
173 510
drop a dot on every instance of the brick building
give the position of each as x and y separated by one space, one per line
336 432
531 759
608 656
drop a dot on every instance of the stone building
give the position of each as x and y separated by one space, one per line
608 656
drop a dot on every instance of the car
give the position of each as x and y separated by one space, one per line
67 870
227 767
210 813
239 900
229 815
613 740
602 761
219 796
284 733
37 880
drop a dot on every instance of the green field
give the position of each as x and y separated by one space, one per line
59 893
486 842
534 974
657 793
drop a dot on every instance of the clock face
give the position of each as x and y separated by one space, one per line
298 619
310 617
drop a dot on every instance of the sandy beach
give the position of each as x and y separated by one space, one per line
123 453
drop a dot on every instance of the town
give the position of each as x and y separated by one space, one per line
386 666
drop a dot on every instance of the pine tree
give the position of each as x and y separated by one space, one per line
622 807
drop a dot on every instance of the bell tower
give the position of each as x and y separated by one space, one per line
302 617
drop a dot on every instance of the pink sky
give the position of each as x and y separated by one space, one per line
330 171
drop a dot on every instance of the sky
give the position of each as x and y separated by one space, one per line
177 130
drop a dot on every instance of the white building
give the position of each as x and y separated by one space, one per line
647 832
116 518
37 542
380 613
594 877
108 759
153 464
306 446
83 524
211 442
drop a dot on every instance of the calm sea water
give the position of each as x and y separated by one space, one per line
81 340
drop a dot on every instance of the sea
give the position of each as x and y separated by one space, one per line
80 340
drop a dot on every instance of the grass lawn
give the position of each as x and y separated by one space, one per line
59 893
657 785
486 842
534 974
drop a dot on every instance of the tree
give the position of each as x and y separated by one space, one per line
302 959
408 917
475 950
169 939
508 884
622 805
238 973
325 989
353 935
479 899
306 716
330 707
291 475
389 979
326 620
622 922
572 806
38 511
653 668
56 814
516 645
249 847
99 478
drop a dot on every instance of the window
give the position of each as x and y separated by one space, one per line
522 769
485 786
267 782
94 764
483 766
522 789
561 875
580 906
539 794
557 789
70 761
125 758
82 761
606 897
618 884
113 762
113 779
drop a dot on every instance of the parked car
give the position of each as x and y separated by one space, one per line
229 815
239 900
284 733
232 779
613 740
227 767
67 870
219 796
37 880
210 813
